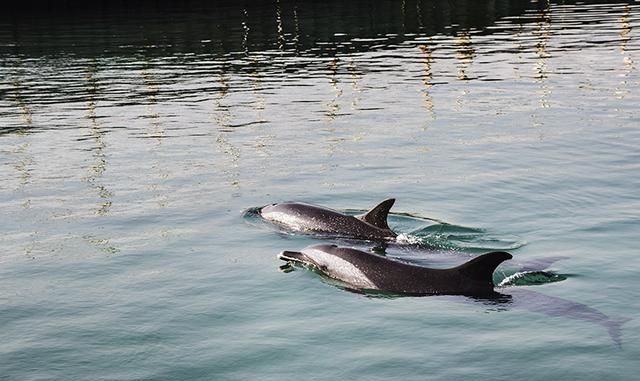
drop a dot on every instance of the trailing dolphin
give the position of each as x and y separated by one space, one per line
317 219
364 271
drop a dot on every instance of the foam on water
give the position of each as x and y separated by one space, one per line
531 278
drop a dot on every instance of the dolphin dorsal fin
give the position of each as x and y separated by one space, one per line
481 268
377 216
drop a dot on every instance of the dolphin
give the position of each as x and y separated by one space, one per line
304 217
312 218
362 271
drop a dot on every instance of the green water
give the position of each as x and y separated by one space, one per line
133 138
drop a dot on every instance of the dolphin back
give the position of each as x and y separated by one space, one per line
481 268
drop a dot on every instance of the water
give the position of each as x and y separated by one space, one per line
133 138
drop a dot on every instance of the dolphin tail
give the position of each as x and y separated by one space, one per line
614 327
482 267
377 216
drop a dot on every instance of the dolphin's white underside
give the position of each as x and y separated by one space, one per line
337 268
287 219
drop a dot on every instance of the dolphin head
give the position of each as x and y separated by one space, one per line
268 208
316 256
295 257
331 261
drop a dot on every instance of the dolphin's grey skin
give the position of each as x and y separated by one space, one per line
312 218
366 271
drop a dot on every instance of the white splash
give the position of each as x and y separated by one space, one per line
508 281
408 239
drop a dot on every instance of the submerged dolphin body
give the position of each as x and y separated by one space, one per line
364 271
558 307
312 218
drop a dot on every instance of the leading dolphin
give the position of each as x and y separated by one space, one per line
312 218
364 271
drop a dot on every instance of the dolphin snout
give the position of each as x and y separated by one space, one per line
293 256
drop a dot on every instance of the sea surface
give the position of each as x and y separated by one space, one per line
138 138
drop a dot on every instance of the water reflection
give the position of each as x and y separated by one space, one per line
21 102
245 32
543 34
625 38
222 111
24 166
427 80
333 107
223 124
542 71
292 44
24 160
256 59
99 164
230 167
241 26
155 134
465 53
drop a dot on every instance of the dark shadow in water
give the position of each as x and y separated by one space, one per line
525 299
558 307
159 27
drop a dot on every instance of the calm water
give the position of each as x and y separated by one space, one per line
132 139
